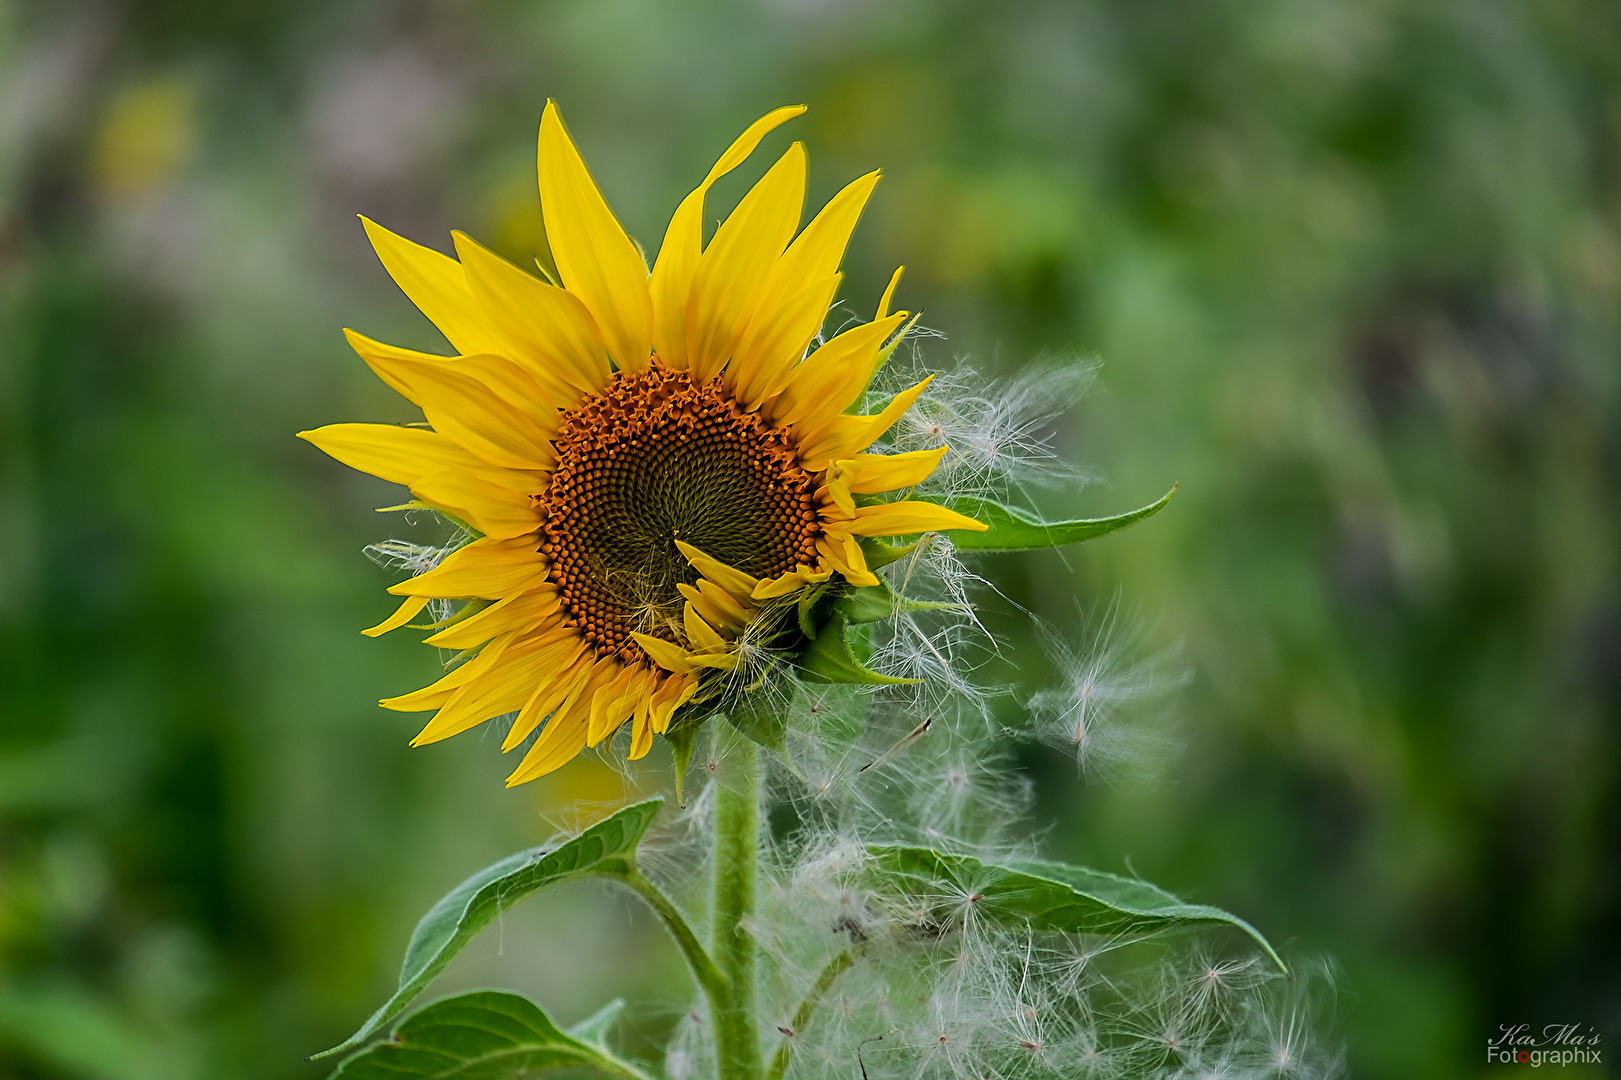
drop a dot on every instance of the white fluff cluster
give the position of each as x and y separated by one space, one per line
416 559
863 977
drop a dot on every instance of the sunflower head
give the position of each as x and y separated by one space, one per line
661 473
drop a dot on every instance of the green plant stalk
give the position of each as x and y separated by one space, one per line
737 851
708 976
802 1015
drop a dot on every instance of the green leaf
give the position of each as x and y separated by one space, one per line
1047 895
606 849
828 658
1015 530
482 1035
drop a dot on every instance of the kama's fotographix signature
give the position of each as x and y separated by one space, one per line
1552 1044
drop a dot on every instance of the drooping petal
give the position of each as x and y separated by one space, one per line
436 285
731 271
671 282
573 670
552 333
676 692
596 260
403 614
502 689
564 735
437 693
611 705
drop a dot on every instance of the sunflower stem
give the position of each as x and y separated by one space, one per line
737 851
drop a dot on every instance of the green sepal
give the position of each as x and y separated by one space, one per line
829 659
1017 530
879 554
874 603
1046 895
808 599
606 849
682 735
484 1035
868 603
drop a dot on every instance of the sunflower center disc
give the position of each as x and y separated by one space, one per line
654 459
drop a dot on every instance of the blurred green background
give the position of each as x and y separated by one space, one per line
1354 271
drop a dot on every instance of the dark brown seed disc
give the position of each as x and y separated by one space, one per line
653 459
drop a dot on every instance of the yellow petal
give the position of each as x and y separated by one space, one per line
642 738
553 335
794 580
402 615
867 474
906 518
402 455
437 693
503 688
666 654
522 613
487 568
612 705
776 340
488 405
671 282
574 667
817 252
700 635
494 510
731 272
833 376
734 581
889 292
564 736
676 692
436 285
843 553
595 259
843 436
717 606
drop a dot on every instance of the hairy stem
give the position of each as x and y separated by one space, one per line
737 851
835 967
703 968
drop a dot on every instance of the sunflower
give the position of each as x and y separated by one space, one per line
654 467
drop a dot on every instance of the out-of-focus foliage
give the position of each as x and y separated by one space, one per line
1354 271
